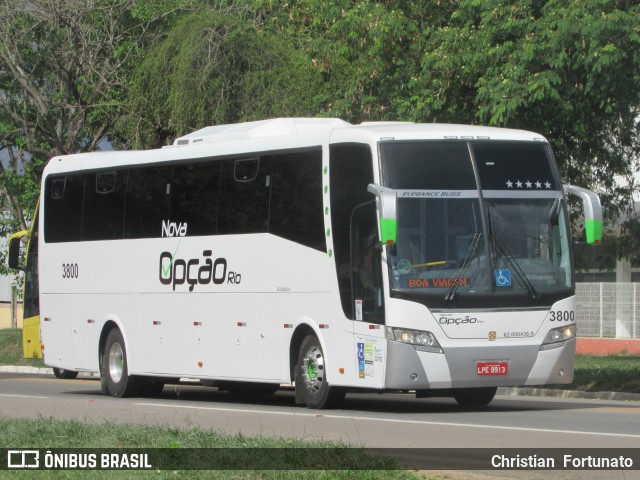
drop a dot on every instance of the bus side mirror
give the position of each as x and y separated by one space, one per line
592 212
15 242
387 203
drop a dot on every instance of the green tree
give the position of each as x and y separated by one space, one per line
366 51
64 69
569 70
215 68
566 69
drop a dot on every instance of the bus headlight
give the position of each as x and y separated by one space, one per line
421 341
557 337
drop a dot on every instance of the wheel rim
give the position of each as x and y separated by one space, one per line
116 362
313 369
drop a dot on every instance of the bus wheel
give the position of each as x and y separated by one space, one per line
474 397
311 382
64 374
115 369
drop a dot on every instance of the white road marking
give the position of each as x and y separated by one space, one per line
391 420
20 396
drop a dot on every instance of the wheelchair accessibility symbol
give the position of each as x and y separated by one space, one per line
503 278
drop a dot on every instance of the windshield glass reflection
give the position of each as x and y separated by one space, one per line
459 245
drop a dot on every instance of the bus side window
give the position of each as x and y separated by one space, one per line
244 196
194 197
296 199
103 213
148 201
63 202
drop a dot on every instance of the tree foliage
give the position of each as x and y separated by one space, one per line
569 70
64 71
366 51
215 68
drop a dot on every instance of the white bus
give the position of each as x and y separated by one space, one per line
434 259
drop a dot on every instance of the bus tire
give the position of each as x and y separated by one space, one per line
474 397
115 368
64 374
312 386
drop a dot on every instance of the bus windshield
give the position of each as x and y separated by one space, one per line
476 221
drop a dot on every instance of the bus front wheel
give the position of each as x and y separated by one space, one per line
312 387
114 369
474 397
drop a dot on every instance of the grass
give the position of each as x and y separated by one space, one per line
48 433
11 349
619 373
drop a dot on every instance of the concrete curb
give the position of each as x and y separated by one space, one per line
23 369
37 370
553 393
508 391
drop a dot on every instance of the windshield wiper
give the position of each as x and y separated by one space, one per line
503 251
506 255
473 247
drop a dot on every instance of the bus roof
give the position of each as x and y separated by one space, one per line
259 129
377 130
280 134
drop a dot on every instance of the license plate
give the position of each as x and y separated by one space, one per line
492 368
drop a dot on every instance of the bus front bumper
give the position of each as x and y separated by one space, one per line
458 367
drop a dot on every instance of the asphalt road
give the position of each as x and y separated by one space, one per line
371 420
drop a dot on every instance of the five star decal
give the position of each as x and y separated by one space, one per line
528 184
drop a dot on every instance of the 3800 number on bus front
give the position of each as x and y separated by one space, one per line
562 316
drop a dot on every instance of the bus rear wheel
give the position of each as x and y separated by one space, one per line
312 387
114 370
474 397
64 374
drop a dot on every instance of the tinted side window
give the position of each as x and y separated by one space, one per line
350 172
148 201
296 199
63 208
194 197
103 216
244 195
